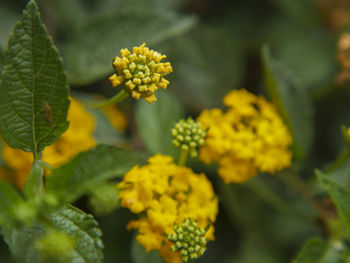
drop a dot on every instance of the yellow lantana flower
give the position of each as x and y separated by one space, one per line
141 72
249 137
166 193
78 137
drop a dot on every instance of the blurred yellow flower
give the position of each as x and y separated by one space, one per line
249 137
142 72
78 137
166 193
115 117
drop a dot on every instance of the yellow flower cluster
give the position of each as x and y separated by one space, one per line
166 193
249 137
142 72
78 137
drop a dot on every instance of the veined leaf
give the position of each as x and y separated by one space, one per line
82 228
79 226
87 169
292 102
340 196
90 52
103 199
155 122
34 91
317 250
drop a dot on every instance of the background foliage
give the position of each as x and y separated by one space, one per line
215 46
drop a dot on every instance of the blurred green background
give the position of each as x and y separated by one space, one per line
214 46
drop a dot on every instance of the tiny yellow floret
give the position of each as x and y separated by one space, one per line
141 71
248 138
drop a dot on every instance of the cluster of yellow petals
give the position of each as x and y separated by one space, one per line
249 137
166 193
78 137
142 72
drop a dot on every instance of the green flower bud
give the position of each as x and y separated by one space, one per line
189 136
188 240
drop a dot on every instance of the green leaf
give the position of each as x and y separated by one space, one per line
21 242
317 250
155 121
139 254
10 201
79 226
103 199
292 102
87 169
340 196
82 228
34 91
90 51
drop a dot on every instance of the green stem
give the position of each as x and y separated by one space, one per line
36 154
274 200
37 175
114 100
183 157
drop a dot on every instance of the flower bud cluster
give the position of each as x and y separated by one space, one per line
189 240
142 72
188 135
